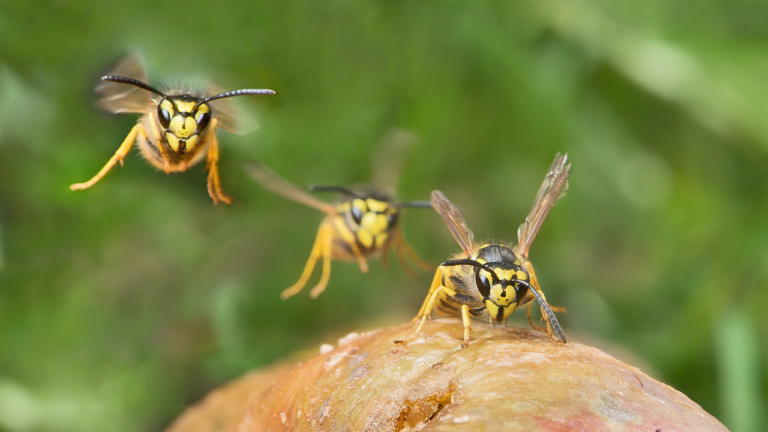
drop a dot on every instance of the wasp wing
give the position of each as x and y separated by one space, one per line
274 183
554 186
231 114
122 98
388 159
455 222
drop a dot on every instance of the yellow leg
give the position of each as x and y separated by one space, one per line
317 250
530 320
119 155
320 287
437 281
465 317
429 306
214 184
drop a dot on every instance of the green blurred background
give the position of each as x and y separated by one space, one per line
123 304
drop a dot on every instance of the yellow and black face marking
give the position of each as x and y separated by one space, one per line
175 132
363 224
494 278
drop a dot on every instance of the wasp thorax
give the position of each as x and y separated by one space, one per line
183 119
373 219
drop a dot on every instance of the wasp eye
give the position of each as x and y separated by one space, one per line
164 116
483 284
520 292
391 220
202 120
357 214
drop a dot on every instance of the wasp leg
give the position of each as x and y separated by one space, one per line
119 155
530 320
320 287
214 184
317 250
414 256
431 304
437 281
535 284
467 324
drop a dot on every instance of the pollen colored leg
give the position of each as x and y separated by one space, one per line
535 284
317 249
214 184
467 324
320 287
437 281
119 155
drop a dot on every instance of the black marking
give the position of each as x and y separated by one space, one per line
497 256
464 298
477 311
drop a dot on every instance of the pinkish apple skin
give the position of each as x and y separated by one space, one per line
506 380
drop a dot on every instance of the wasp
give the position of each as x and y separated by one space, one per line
177 128
494 278
363 224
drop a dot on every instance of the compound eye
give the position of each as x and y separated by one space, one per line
202 120
357 214
164 116
483 284
520 292
392 220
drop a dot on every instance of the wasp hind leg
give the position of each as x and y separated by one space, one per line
119 155
322 244
320 287
403 250
212 164
437 281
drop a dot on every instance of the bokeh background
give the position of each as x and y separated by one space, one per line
123 304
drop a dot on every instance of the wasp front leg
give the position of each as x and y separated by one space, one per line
214 184
119 155
319 250
535 284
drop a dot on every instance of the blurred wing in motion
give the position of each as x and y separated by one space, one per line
455 222
270 181
232 115
388 160
554 186
122 98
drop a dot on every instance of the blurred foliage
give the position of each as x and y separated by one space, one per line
121 305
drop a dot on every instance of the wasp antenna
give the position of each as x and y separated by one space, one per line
421 204
472 263
339 189
133 82
242 92
550 315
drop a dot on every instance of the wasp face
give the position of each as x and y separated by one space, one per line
183 121
372 220
501 291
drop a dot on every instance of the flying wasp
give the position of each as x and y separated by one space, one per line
178 126
494 278
363 224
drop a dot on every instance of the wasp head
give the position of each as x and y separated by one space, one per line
183 118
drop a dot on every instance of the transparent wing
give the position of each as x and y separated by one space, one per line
232 115
455 222
554 186
388 158
270 181
124 98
